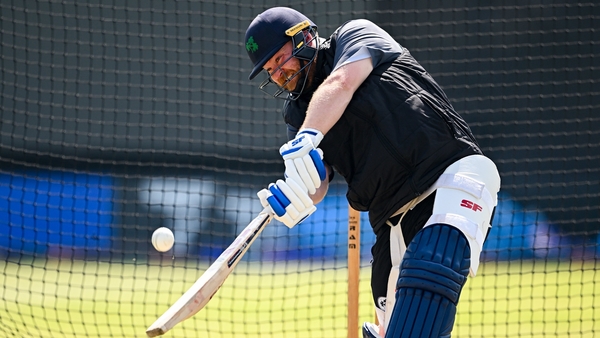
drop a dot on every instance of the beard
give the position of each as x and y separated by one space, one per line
299 79
291 85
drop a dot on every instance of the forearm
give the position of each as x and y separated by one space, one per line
333 96
327 106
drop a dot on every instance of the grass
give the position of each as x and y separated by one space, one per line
52 298
532 299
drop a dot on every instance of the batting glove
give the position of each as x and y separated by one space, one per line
303 160
288 201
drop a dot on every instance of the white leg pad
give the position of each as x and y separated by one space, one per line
466 195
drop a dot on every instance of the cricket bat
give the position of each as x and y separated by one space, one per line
200 293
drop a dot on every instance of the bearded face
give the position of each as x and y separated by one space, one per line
290 71
283 68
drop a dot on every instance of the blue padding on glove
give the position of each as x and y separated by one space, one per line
276 206
432 275
316 157
283 200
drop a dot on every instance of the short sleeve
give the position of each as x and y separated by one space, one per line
360 39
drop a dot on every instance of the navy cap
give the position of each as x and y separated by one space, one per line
266 34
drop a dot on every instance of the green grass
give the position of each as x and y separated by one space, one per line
532 299
85 299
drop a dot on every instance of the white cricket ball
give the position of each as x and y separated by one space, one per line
163 239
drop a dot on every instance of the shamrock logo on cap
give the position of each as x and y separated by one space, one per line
251 46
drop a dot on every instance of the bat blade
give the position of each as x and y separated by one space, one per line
200 293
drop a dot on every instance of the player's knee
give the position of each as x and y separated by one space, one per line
437 260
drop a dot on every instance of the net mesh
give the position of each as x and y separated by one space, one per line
121 117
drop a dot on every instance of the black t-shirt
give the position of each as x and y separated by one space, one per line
399 131
357 40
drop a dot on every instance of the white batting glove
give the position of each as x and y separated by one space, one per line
303 160
288 201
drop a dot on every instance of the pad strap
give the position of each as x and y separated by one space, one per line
454 181
467 184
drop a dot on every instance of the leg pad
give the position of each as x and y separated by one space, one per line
432 275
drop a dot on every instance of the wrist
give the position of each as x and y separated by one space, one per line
314 135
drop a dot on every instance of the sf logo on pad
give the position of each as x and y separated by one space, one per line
470 205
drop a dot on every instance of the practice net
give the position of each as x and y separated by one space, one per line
119 117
